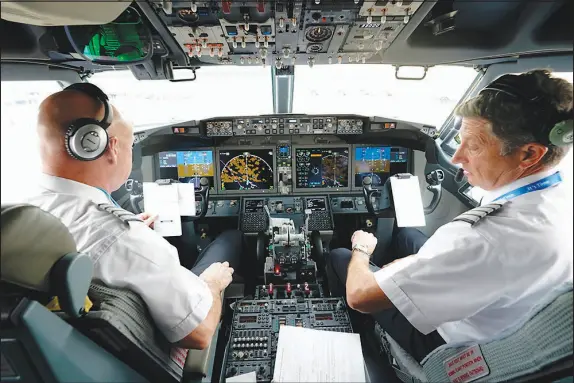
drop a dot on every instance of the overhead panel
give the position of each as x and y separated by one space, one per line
289 32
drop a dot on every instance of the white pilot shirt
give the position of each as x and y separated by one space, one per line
472 282
128 255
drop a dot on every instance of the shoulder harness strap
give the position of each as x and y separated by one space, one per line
474 215
122 214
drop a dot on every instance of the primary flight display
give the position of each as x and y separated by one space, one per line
187 166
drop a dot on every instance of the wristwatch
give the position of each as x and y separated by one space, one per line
362 249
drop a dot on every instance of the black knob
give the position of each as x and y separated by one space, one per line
203 181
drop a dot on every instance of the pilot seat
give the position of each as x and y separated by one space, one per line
538 348
114 341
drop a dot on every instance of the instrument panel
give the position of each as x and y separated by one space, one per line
284 168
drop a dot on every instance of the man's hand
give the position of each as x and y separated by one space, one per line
218 275
147 218
366 239
363 291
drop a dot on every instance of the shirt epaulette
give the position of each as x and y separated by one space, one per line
474 215
122 214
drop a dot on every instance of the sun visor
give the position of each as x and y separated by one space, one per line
125 40
51 13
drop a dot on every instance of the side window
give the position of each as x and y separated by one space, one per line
19 142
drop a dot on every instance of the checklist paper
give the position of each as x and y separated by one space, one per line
170 203
408 201
309 355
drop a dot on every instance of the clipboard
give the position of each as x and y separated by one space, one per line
407 200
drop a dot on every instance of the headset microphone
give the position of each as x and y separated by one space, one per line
459 176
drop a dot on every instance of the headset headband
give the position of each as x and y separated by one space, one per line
542 110
97 94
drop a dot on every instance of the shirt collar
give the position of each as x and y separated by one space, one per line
494 194
67 186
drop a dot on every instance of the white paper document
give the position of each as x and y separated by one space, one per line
408 201
250 377
163 200
309 355
186 196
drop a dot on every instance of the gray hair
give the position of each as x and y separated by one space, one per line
508 116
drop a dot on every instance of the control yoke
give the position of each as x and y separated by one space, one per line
136 195
433 179
135 188
370 194
203 195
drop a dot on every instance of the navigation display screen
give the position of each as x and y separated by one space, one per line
322 168
187 166
246 169
379 163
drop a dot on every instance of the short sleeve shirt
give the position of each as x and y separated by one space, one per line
472 282
128 255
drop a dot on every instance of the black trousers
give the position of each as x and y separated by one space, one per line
228 246
407 241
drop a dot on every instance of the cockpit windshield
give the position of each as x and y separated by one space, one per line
217 92
373 90
370 90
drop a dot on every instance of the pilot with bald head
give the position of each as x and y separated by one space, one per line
86 154
486 270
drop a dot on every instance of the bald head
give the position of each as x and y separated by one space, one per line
55 115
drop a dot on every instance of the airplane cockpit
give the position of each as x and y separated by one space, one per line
296 169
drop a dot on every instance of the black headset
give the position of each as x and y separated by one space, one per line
87 138
556 128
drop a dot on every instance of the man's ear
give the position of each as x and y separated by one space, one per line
113 149
531 154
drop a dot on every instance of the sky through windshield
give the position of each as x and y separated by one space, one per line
370 90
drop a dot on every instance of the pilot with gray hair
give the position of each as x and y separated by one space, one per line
484 271
86 153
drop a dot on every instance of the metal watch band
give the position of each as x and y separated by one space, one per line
361 249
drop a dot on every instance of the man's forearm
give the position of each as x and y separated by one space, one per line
357 273
363 292
200 338
214 314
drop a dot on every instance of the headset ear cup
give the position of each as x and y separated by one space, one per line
562 133
86 139
67 137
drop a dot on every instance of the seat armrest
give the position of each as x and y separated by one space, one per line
199 363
